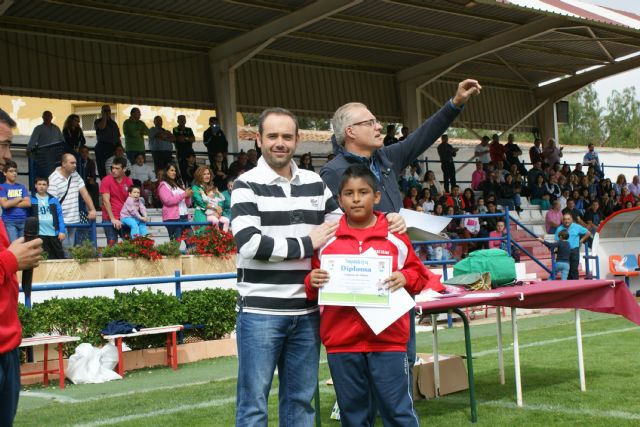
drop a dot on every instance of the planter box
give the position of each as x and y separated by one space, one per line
207 264
125 268
68 270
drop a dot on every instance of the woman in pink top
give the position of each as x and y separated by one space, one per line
478 176
553 218
175 200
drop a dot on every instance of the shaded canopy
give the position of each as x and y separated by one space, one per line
622 224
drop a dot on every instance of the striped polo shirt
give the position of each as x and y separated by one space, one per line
271 218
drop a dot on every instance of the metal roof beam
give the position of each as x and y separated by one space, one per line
564 87
473 51
4 5
257 39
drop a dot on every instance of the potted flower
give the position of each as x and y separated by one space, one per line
210 250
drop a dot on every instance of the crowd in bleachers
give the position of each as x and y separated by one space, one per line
122 182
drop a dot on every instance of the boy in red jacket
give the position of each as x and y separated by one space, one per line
365 367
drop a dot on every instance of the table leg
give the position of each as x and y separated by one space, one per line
516 356
120 361
46 364
583 384
472 387
174 356
61 369
500 354
168 348
436 361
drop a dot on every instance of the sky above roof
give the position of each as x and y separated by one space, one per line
618 82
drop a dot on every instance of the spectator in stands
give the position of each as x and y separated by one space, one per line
390 138
51 229
577 235
433 185
606 205
108 136
45 137
553 218
552 153
552 188
66 185
252 157
532 175
513 153
478 176
538 194
509 194
409 179
490 186
411 201
184 139
404 133
133 213
497 151
143 176
625 197
220 170
160 144
175 199
6 135
634 186
487 225
119 153
428 203
89 173
572 210
593 214
500 171
499 232
483 153
134 131
306 162
73 135
469 200
190 170
591 158
621 182
215 140
114 189
563 198
535 152
566 170
206 199
480 204
447 152
240 166
226 204
455 199
15 202
470 230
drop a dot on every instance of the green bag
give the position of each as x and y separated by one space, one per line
496 261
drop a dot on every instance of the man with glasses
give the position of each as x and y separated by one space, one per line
108 136
357 139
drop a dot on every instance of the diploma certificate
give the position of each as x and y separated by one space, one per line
355 280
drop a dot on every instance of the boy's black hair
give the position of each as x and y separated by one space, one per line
122 162
359 171
41 178
8 164
133 187
564 235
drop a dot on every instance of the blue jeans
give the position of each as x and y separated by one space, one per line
15 229
9 386
363 378
290 343
138 228
563 269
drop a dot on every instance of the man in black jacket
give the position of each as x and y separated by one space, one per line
215 140
447 153
357 139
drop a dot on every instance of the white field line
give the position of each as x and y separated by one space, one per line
558 340
552 408
50 396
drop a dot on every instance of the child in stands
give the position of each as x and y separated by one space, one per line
134 213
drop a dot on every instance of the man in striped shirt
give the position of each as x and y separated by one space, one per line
279 215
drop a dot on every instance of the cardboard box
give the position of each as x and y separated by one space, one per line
453 376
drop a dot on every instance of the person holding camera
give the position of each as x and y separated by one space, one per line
447 152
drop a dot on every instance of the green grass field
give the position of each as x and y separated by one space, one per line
203 393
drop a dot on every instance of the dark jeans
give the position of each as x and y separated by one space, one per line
574 261
381 377
103 151
175 231
9 386
449 175
52 246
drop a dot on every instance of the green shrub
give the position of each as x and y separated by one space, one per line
169 249
213 308
26 319
84 252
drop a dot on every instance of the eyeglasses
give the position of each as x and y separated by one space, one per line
370 123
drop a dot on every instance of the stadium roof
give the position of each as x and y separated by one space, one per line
401 57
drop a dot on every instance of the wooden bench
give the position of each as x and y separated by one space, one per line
172 345
45 341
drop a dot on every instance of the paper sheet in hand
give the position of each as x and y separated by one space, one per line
422 226
380 318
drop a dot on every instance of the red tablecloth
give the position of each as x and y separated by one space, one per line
604 296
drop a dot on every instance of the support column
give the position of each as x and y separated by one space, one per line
224 82
547 122
411 104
